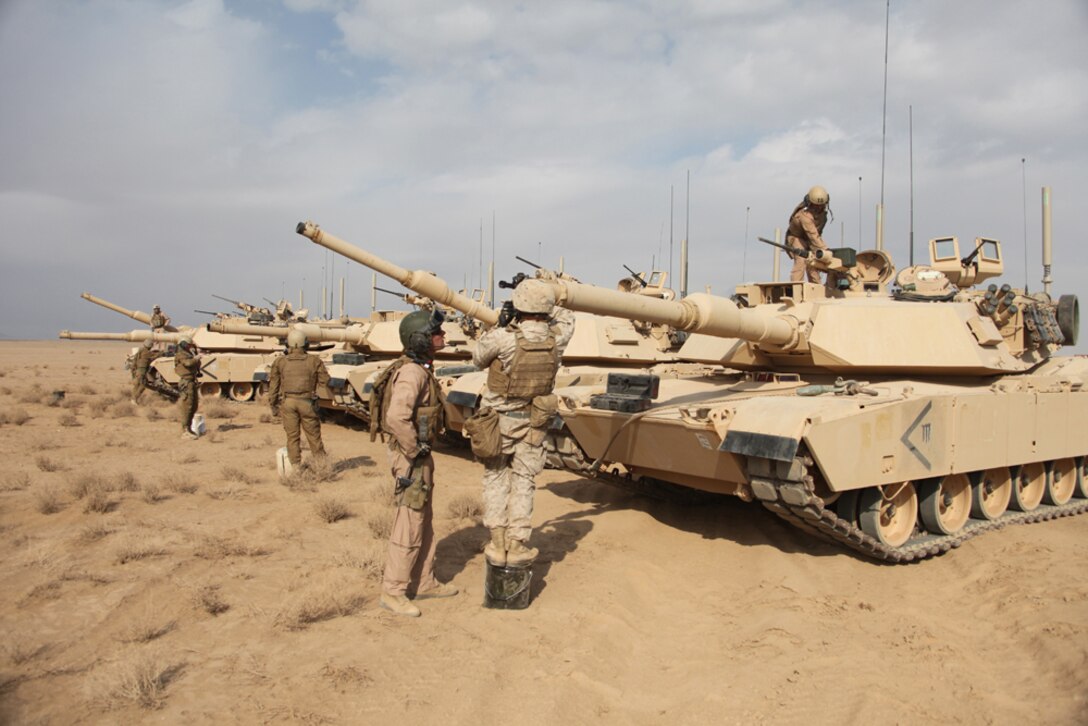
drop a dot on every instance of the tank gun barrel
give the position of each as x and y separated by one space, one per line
356 335
418 281
134 314
134 336
698 313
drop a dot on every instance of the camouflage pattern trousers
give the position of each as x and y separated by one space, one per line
186 402
139 383
410 557
301 413
508 479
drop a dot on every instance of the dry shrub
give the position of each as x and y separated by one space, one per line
48 500
32 396
346 678
232 491
368 558
127 482
208 598
219 410
84 484
265 418
69 420
137 549
46 464
124 409
214 547
88 390
140 681
381 524
44 445
95 532
14 481
98 501
71 404
17 416
179 483
189 458
145 628
331 510
99 407
233 473
465 506
152 414
151 494
326 603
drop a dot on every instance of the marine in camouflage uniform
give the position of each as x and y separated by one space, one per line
187 367
141 362
292 394
806 226
412 415
159 320
521 359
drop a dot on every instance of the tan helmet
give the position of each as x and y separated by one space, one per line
185 342
533 296
817 195
296 339
148 342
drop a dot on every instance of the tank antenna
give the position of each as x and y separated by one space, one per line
1024 186
1047 249
883 131
744 262
910 134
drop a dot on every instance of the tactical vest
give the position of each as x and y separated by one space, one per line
429 420
532 370
297 375
158 320
185 365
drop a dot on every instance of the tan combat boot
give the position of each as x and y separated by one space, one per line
495 551
399 604
518 554
442 589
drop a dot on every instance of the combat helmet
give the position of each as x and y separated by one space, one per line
296 339
185 342
533 296
817 195
148 343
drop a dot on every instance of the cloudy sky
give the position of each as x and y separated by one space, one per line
160 151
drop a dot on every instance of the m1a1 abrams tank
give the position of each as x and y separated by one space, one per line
361 351
600 345
234 362
898 421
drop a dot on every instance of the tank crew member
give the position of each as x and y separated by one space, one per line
140 363
187 366
159 320
412 414
522 359
292 393
805 229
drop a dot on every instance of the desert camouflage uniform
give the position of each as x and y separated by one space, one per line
508 478
140 364
292 393
413 532
187 366
804 232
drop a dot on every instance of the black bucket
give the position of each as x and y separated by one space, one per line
507 588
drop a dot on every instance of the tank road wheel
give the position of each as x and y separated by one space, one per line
1028 486
946 503
1061 482
240 391
990 493
889 513
1082 478
260 391
210 389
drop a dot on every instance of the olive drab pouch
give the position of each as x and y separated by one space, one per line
483 430
412 491
541 412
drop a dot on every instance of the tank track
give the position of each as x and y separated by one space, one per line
797 504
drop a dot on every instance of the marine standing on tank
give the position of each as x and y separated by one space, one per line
412 416
159 320
522 358
292 394
187 367
141 362
806 226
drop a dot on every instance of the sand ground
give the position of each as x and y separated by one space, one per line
150 579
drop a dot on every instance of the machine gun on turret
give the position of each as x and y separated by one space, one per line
254 313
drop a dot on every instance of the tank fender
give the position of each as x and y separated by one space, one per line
767 428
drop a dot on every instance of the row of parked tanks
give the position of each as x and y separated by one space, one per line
897 415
